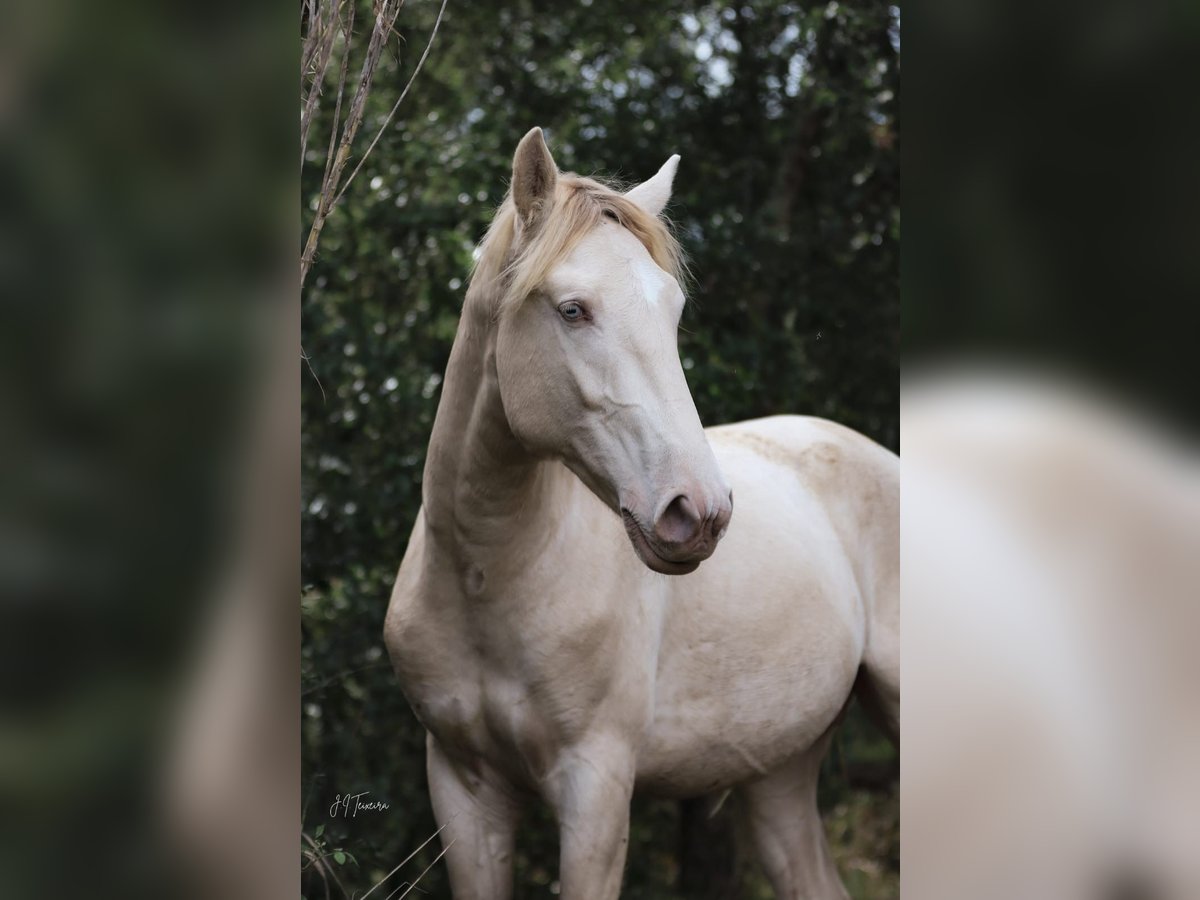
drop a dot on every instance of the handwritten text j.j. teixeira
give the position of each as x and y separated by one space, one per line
350 805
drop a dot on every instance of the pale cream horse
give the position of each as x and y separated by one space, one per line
545 658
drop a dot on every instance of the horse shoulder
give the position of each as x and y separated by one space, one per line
406 589
421 628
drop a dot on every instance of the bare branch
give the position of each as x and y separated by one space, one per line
400 100
311 371
405 860
347 30
323 869
315 57
386 12
326 21
417 880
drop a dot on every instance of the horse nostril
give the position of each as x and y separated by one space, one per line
679 523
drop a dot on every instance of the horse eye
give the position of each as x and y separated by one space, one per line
571 311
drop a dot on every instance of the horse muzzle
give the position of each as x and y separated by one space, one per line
682 536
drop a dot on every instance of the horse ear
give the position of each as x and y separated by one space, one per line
534 176
652 195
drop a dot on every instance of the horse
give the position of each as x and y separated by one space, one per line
547 661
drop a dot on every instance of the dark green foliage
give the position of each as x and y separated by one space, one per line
787 202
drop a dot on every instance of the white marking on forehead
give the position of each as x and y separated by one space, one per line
649 276
611 258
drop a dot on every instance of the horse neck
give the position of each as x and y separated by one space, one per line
481 488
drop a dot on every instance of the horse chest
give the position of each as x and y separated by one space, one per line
476 712
503 687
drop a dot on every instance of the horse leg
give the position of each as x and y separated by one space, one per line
590 793
479 821
781 810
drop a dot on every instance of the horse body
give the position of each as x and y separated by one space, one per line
759 653
546 659
736 669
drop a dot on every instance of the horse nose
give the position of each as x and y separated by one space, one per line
681 524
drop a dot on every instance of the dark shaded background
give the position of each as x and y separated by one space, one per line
1052 189
786 201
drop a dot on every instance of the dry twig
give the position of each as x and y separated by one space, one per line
328 32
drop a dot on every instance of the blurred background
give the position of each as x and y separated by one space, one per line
147 299
1051 513
787 203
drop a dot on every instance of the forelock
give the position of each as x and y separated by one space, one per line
512 264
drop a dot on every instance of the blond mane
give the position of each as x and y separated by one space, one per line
511 267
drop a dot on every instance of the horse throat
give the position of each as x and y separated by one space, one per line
481 489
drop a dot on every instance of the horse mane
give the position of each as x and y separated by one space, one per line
513 262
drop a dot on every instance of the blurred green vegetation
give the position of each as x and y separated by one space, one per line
787 202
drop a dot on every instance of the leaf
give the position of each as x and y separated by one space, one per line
340 858
320 830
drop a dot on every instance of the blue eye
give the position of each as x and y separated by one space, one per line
572 311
